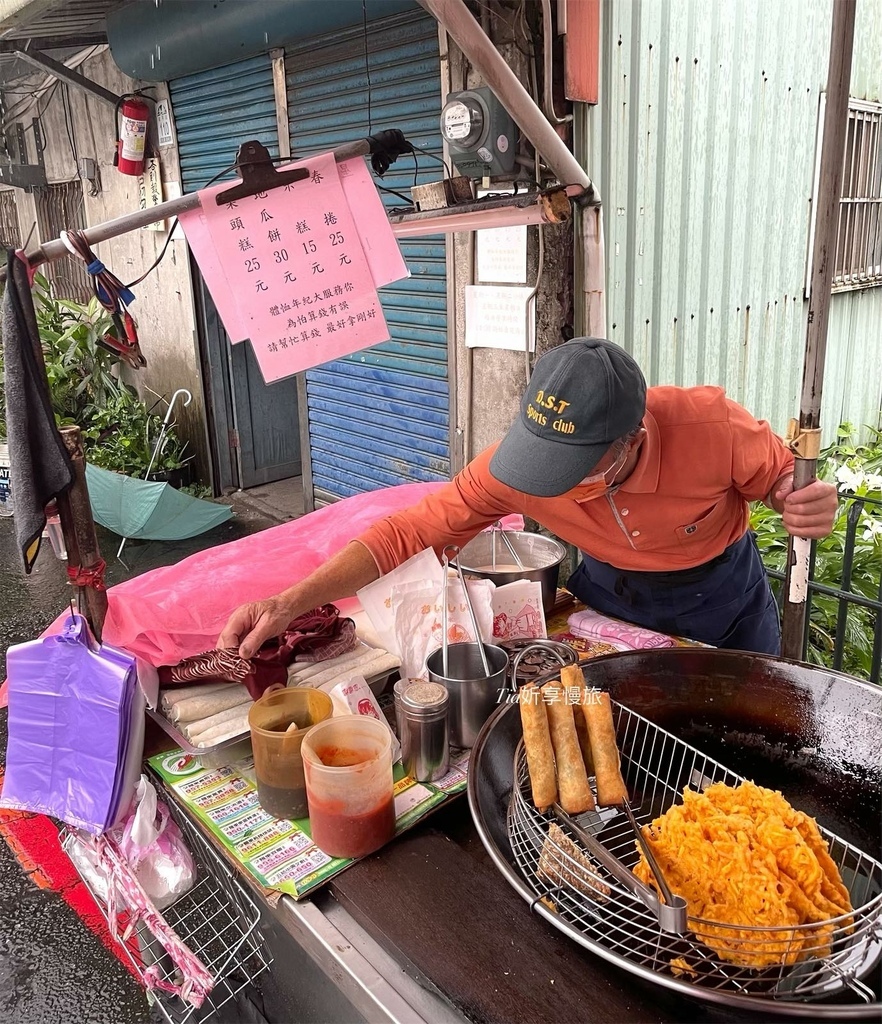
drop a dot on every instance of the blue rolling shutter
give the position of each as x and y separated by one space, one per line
217 110
380 416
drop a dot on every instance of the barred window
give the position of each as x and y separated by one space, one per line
9 233
858 262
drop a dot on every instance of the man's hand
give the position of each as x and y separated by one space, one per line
251 625
808 512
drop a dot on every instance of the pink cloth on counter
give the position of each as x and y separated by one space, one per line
177 611
592 625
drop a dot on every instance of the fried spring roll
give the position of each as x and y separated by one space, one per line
571 680
572 780
597 711
537 743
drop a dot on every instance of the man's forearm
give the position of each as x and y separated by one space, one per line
341 576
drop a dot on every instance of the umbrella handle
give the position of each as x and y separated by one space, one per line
171 404
165 423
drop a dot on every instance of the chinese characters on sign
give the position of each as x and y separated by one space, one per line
499 317
150 191
295 274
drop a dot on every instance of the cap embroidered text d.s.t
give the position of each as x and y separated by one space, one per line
582 396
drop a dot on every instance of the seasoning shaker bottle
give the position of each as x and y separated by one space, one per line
422 710
397 690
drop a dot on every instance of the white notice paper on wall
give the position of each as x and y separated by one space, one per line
501 255
500 317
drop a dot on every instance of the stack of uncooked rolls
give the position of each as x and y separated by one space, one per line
369 662
209 713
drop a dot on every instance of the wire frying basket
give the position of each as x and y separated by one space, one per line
805 962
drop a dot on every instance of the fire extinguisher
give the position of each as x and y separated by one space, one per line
132 142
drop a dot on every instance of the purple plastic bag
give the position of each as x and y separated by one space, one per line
70 715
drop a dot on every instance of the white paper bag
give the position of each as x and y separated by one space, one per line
418 620
376 597
517 611
356 698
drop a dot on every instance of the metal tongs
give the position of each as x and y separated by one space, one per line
671 913
445 566
497 528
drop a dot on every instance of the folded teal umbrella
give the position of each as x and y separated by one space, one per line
149 509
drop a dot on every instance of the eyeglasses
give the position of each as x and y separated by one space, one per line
612 461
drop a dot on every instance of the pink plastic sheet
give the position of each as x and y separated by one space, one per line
179 610
176 611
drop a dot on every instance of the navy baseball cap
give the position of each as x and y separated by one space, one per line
582 396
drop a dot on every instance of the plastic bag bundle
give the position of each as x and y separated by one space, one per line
152 845
76 729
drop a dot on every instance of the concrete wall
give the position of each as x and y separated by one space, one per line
489 382
164 301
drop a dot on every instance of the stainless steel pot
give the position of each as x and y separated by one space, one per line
474 695
811 733
540 555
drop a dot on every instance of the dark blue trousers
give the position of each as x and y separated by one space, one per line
726 602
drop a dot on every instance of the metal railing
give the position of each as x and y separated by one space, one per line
836 647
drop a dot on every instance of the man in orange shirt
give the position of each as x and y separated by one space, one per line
652 486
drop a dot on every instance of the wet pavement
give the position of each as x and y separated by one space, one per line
53 970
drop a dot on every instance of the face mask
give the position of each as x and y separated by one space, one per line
588 492
597 484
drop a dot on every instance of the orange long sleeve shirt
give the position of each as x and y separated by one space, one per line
704 458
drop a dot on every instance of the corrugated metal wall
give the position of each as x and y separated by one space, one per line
217 110
703 146
380 417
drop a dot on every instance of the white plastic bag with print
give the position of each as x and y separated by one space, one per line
152 845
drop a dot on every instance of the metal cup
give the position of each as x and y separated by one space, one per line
473 693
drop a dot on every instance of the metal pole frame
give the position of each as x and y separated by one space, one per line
804 435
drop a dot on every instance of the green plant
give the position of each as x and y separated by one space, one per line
198 491
855 467
79 370
119 430
123 433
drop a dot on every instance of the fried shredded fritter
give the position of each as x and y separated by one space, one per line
743 858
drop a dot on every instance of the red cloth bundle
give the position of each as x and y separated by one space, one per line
314 636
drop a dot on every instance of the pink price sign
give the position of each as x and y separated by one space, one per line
295 276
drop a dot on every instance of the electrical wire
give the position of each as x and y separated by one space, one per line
40 114
407 199
367 63
76 61
68 124
440 159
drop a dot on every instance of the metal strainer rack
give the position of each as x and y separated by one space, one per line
599 911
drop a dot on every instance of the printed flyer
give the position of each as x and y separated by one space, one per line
280 854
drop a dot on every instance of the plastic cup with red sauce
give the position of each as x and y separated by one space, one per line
347 764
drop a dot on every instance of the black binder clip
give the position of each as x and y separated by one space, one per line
258 174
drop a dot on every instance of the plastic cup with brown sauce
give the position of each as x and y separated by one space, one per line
349 787
279 721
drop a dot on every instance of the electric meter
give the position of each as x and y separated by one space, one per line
462 122
480 133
